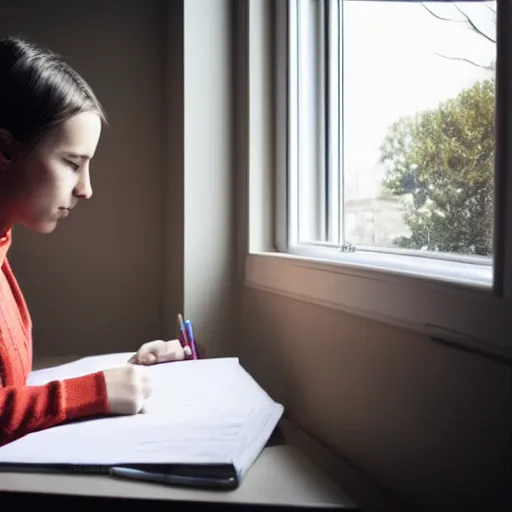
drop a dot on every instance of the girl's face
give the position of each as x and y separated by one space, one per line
45 185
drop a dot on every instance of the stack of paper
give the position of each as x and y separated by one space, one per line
207 411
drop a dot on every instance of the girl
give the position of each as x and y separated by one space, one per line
50 125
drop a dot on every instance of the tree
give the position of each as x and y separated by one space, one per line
442 162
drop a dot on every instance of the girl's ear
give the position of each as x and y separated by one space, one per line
6 149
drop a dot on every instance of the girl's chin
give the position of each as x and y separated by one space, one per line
47 227
43 227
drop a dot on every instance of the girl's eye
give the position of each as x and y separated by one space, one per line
73 165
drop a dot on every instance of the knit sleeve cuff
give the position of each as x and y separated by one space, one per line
85 396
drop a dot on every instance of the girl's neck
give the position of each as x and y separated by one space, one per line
5 227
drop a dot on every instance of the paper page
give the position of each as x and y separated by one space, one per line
257 437
263 414
112 444
201 411
78 368
191 390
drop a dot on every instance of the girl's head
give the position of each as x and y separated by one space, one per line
50 124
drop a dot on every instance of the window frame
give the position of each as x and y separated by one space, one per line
467 312
333 222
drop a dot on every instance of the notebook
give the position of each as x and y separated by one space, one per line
205 417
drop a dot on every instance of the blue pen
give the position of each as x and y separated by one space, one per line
185 333
188 326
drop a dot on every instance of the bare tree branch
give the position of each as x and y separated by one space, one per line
440 17
467 20
491 9
464 60
473 26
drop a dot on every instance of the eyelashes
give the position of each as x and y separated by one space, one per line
73 165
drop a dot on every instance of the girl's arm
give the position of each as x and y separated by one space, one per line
27 409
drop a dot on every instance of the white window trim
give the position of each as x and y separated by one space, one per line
464 308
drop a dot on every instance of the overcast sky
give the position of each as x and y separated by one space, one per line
391 69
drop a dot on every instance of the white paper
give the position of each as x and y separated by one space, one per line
77 368
205 411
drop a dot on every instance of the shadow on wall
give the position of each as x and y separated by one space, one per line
426 421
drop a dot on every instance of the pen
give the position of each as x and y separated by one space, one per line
183 331
188 325
201 482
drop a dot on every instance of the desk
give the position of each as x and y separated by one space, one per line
281 477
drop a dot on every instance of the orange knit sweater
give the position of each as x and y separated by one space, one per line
24 409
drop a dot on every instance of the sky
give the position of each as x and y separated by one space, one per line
391 69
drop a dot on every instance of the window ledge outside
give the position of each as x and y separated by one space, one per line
455 307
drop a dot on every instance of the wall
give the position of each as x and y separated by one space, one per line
197 186
208 172
94 284
430 423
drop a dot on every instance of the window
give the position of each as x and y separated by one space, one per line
393 168
391 135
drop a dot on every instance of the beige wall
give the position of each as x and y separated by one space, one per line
197 192
208 244
427 421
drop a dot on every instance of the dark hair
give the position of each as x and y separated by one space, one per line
39 90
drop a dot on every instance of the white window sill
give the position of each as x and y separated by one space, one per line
455 307
460 271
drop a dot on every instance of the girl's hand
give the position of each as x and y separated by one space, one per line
127 388
160 351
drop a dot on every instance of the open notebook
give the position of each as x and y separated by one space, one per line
203 416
